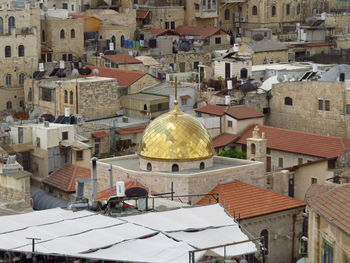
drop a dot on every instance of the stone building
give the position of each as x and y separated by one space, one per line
265 51
203 13
232 66
122 61
63 38
309 105
328 228
176 150
91 97
20 51
277 218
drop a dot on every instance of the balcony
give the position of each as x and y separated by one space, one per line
206 13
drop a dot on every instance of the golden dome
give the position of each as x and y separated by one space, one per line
176 136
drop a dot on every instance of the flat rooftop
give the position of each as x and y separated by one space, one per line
132 163
117 122
143 96
167 89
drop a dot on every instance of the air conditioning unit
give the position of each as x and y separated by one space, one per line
125 119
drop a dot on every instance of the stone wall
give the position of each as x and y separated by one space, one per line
144 82
304 115
184 183
15 187
280 229
161 15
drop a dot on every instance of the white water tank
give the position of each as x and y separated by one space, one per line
227 100
314 68
66 112
111 46
41 67
61 64
120 187
235 47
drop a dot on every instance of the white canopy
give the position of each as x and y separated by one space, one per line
151 237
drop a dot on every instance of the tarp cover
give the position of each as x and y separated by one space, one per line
151 237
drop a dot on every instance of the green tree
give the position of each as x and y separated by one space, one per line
233 153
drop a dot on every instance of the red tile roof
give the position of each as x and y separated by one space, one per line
131 130
142 14
250 201
237 112
201 32
224 139
332 202
99 134
104 194
300 142
159 31
65 178
124 78
122 59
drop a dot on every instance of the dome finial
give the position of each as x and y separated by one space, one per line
176 108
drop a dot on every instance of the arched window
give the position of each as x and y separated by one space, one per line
65 96
9 80
288 9
30 94
122 41
62 34
72 33
21 77
288 101
9 105
273 10
11 24
43 36
1 26
71 97
227 14
149 167
201 166
252 148
254 10
145 107
244 73
7 52
113 41
298 9
21 51
175 168
265 238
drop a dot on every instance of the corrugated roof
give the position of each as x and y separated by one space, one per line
122 59
300 142
331 202
124 78
224 139
266 45
246 201
65 178
201 32
237 112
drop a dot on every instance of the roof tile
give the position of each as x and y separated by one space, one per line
122 59
224 139
237 112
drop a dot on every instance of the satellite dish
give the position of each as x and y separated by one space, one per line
280 79
9 119
95 71
48 117
162 60
75 73
185 46
238 40
84 71
258 37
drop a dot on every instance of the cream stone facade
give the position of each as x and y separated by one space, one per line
19 53
63 37
97 97
186 62
308 112
166 17
204 13
265 57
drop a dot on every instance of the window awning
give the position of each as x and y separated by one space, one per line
100 134
185 97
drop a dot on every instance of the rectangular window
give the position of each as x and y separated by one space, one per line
172 25
327 255
327 105
64 6
64 57
97 148
72 7
300 161
348 109
268 151
218 40
48 57
320 104
65 135
183 101
313 180
47 94
195 65
182 66
229 124
167 25
38 142
280 162
70 57
79 155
